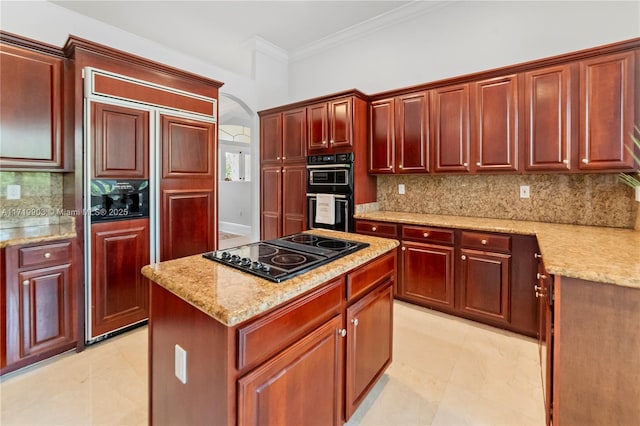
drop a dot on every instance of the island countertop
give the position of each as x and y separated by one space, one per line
607 255
231 296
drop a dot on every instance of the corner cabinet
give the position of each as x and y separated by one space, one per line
32 113
40 303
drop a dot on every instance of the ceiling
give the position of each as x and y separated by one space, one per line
221 32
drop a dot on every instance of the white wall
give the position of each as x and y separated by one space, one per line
461 38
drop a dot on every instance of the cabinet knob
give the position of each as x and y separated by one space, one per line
373 228
400 166
483 242
585 160
331 142
565 161
324 142
426 234
537 288
354 322
25 282
465 164
342 332
283 171
47 255
463 257
404 248
541 276
277 158
538 295
284 158
478 164
537 256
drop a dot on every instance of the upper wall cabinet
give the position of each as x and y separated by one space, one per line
451 128
607 111
547 110
283 137
31 109
496 125
399 134
330 126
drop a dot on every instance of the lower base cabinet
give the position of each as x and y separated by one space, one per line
39 318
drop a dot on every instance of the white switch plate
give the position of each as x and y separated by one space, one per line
13 192
638 193
524 191
401 188
181 364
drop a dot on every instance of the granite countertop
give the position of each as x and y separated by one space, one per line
37 234
608 255
231 296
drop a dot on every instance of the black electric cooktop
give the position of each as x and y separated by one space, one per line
283 258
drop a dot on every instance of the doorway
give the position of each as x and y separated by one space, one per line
238 193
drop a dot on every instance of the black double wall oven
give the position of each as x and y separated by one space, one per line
330 192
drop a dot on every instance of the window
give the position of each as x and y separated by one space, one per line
236 165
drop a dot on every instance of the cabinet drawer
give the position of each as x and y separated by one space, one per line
370 275
378 229
484 241
44 255
270 334
427 235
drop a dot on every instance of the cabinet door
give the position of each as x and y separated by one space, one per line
119 292
412 133
381 136
294 199
46 310
300 386
607 96
294 135
120 142
271 203
547 95
369 344
427 274
188 192
271 138
31 116
545 340
318 126
451 128
496 124
485 284
340 122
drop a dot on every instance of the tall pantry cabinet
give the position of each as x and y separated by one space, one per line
137 119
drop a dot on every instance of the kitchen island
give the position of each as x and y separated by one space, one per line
230 348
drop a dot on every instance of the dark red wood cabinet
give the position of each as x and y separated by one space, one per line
32 112
382 136
330 126
40 318
119 292
283 145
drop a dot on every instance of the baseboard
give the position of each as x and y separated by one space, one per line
235 228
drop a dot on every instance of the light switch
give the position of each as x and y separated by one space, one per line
181 364
401 188
13 192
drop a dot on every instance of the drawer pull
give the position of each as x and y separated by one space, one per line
541 276
537 256
342 332
47 255
426 234
484 242
354 322
25 282
373 228
463 257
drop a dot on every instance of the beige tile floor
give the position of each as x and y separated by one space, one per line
445 371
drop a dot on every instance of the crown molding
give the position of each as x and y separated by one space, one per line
392 17
262 45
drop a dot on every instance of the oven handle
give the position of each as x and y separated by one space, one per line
335 195
329 166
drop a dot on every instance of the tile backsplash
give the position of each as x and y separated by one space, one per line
40 202
580 199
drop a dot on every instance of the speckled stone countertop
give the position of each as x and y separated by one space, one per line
36 234
232 296
608 255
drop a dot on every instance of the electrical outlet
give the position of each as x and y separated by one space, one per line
13 192
524 191
181 364
638 194
401 188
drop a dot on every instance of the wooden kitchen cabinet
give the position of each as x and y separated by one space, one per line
544 295
496 138
330 126
427 267
607 111
120 142
119 293
548 106
32 113
399 134
40 303
451 128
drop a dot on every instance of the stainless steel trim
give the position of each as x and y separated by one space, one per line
329 166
